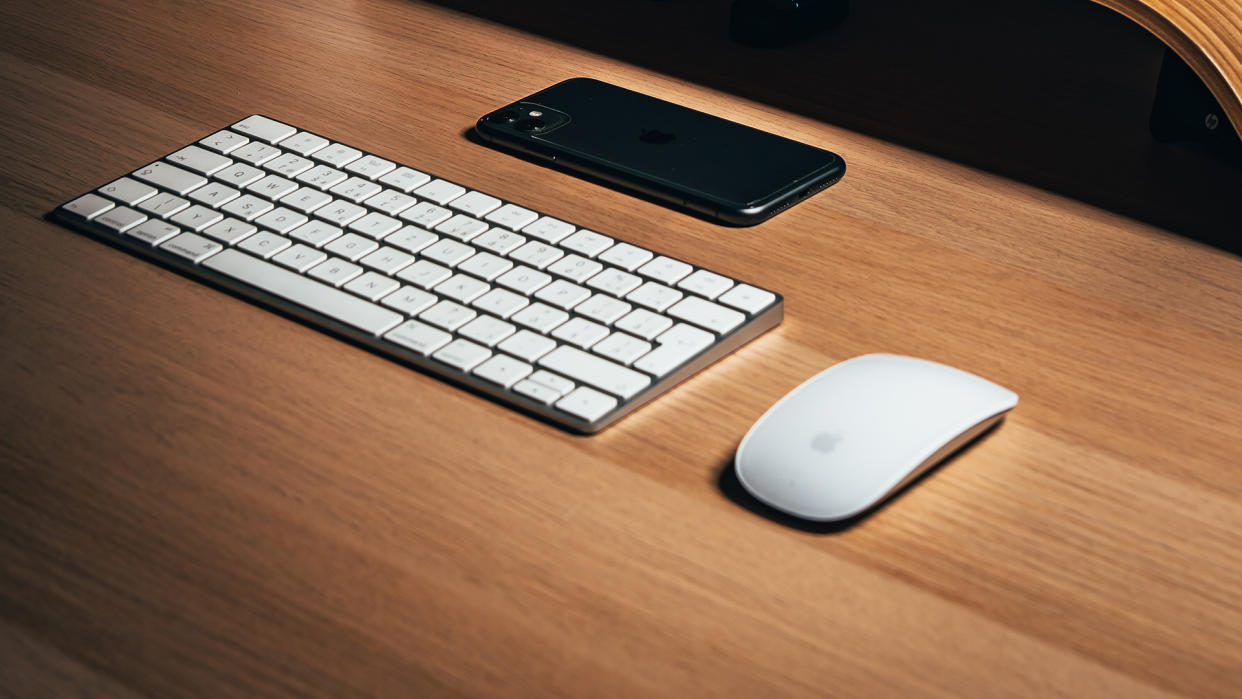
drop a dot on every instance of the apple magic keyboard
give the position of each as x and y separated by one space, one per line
566 323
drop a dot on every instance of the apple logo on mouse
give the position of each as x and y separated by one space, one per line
656 136
825 442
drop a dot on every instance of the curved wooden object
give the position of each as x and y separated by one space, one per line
1206 34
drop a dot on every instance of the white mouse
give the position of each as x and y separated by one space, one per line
853 434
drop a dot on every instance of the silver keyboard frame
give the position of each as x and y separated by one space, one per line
756 325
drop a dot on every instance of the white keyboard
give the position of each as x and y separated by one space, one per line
559 321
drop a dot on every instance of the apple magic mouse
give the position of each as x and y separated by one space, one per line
851 435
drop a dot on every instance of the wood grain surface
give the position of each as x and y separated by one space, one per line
1206 34
201 498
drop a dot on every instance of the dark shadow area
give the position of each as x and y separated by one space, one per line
1054 93
732 488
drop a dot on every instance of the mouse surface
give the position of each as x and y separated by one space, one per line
851 435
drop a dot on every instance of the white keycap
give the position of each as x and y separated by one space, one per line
375 225
405 179
527 345
248 207
199 160
560 384
316 233
440 191
548 229
164 204
192 247
575 268
499 241
356 189
512 216
371 286
673 348
475 203
299 258
229 231
523 280
626 256
305 199
501 302
487 330
644 323
120 219
264 244
281 220
461 288
563 294
614 282
747 298
448 315
587 243
303 143
322 177
447 252
337 155
391 202
272 187
88 206
291 286
289 165
411 239
214 194
170 177
224 141
665 270
240 175
197 217
706 314
580 332
655 296
587 403
485 265
462 354
621 348
603 308
409 300
256 153
706 284
420 337
335 271
371 167
127 191
153 231
424 273
595 371
340 212
387 260
540 317
539 392
461 227
351 246
425 214
536 254
502 370
264 129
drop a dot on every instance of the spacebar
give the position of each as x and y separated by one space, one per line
291 286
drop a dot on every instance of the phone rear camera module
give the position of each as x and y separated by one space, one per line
530 125
504 116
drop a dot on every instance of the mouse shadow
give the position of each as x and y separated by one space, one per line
729 485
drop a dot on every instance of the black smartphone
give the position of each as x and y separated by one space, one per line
719 168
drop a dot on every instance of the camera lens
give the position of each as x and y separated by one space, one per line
504 116
530 125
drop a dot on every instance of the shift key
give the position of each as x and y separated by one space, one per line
595 371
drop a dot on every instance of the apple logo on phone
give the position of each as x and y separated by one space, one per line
656 136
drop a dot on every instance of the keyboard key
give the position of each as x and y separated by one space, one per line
655 296
575 268
440 191
665 270
240 174
475 203
523 280
391 202
462 354
563 294
501 302
264 129
487 330
424 273
706 314
322 177
447 252
371 286
540 317
375 225
214 194
356 189
461 288
337 155
405 179
305 200
352 247
706 284
197 217
580 332
527 345
560 384
341 212
224 141
587 403
387 260
536 254
127 191
420 337
461 227
272 187
548 229
264 244
621 348
371 167
316 233
409 300
229 231
502 370
499 241
281 220
335 271
88 206
674 347
539 392
614 282
747 298
256 153
303 143
199 160
163 204
448 315
289 165
425 214
120 219
587 243
644 323
512 216
411 239
170 177
626 256
485 265
603 308
153 231
247 207
192 247
299 257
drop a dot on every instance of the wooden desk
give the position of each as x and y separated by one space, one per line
202 498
